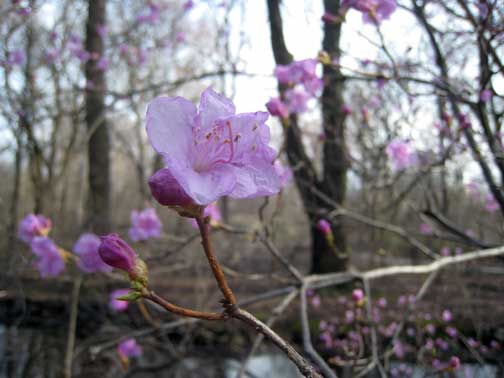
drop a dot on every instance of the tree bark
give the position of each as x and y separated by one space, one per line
99 138
333 183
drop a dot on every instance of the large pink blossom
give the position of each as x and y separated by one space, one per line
211 152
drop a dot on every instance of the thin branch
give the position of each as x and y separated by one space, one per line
307 343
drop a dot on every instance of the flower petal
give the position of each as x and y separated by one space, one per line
203 187
169 124
213 106
255 179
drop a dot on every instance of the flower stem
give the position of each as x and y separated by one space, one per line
212 260
181 310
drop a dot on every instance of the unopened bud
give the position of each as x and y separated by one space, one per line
118 254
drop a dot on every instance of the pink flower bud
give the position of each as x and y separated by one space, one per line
454 362
117 253
166 189
346 109
277 108
357 295
324 226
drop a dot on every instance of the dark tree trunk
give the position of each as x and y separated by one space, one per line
99 140
335 160
313 190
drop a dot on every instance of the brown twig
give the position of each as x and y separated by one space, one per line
303 366
181 310
214 263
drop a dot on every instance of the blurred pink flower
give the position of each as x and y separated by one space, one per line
277 108
284 173
296 100
33 225
485 95
129 348
357 295
426 229
117 304
400 153
447 316
324 226
145 224
50 262
491 205
212 211
90 261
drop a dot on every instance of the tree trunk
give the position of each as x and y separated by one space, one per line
313 190
99 139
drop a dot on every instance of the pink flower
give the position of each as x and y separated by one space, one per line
491 205
382 10
213 152
102 64
454 362
447 316
145 224
301 72
430 329
50 262
426 229
373 11
324 226
399 349
167 191
284 173
296 100
346 109
452 332
277 108
118 254
357 295
180 37
315 301
90 261
445 251
401 154
212 211
129 348
117 304
382 302
33 225
16 58
485 95
51 55
188 5
102 31
151 16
